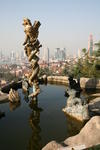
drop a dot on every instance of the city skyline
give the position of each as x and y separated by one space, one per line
64 23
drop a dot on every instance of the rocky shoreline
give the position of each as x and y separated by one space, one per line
88 137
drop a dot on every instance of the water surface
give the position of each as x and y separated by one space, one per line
29 126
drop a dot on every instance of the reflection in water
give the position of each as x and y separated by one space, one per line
26 94
73 126
34 120
2 114
13 106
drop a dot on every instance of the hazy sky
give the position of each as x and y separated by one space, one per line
64 23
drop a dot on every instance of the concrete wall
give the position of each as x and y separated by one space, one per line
87 83
58 79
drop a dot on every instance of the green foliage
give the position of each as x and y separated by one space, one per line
87 66
64 71
45 71
84 50
97 52
6 75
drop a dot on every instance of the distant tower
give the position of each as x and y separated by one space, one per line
79 53
12 55
17 56
58 54
64 54
90 45
1 54
46 55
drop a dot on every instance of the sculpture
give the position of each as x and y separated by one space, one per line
76 105
73 84
31 48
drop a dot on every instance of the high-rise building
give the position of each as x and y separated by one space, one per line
90 45
60 55
79 53
1 55
46 55
12 55
57 54
17 56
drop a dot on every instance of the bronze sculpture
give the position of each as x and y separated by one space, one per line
31 48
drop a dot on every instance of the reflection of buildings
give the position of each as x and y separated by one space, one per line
34 120
90 45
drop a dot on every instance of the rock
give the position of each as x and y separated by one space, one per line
90 83
75 107
52 146
77 111
55 146
94 107
88 137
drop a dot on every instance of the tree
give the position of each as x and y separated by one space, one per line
84 50
87 66
97 53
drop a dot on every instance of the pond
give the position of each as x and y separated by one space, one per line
29 127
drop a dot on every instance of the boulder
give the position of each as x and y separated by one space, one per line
53 145
78 112
94 107
76 106
89 136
